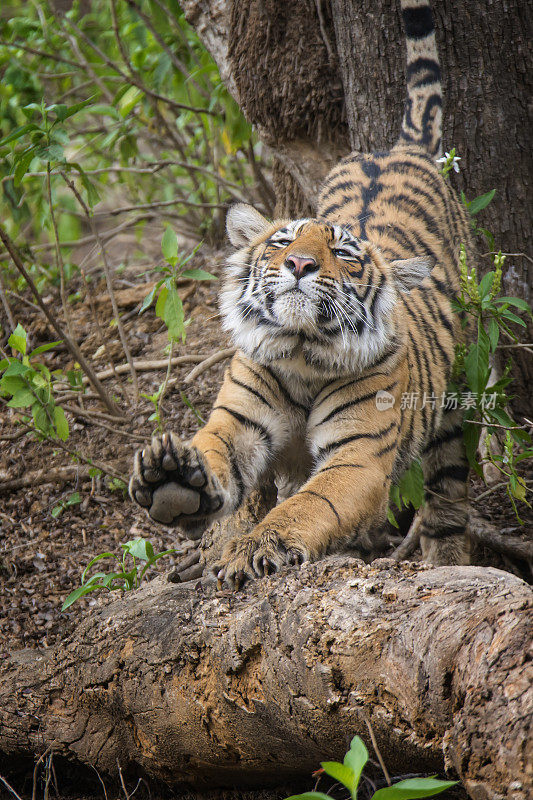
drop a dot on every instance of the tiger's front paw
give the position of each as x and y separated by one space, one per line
262 552
175 485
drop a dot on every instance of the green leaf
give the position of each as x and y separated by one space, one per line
471 439
40 418
77 593
485 285
518 489
479 203
61 423
309 796
92 195
411 485
163 553
169 244
506 314
22 399
148 300
94 560
139 548
198 275
493 334
19 132
12 384
74 499
356 758
161 302
129 100
173 314
63 112
44 347
413 788
22 164
392 518
477 362
515 301
342 773
489 237
17 340
16 367
501 416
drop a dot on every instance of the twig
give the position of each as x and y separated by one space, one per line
376 749
164 385
70 343
110 289
12 437
410 543
100 779
487 424
5 304
34 788
90 417
39 476
130 78
149 366
159 39
48 775
35 52
483 532
82 241
149 170
10 788
59 257
528 347
94 312
58 443
90 461
265 189
510 255
489 491
214 358
159 204
126 793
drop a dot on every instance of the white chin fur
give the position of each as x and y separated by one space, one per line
296 312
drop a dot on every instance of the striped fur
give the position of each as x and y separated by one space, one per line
336 318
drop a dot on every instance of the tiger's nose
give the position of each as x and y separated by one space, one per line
301 265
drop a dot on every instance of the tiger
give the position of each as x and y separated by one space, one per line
336 320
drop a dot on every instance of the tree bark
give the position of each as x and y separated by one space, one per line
191 686
321 77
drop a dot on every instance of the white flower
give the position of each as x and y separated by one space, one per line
450 161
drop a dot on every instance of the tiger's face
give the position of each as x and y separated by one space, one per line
307 290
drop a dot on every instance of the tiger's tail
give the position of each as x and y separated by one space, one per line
422 120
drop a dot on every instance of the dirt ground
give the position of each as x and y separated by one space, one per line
42 555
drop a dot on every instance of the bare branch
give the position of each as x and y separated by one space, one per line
214 358
70 343
110 289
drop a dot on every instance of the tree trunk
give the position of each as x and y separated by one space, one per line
195 687
321 77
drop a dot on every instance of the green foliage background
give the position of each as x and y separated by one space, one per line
158 125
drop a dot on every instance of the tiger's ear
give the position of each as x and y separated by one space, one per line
410 272
244 224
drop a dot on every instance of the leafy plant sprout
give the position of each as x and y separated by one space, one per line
126 575
169 307
349 773
491 316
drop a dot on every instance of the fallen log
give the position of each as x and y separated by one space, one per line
203 688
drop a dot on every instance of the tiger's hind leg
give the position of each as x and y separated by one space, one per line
444 517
